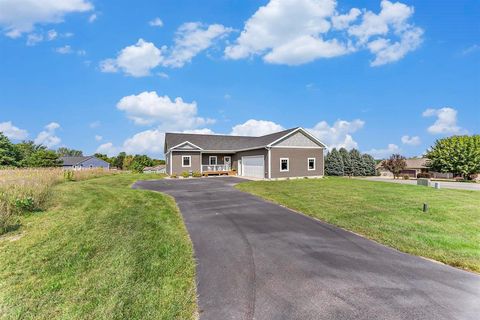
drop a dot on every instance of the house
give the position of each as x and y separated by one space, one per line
286 154
156 169
82 163
413 168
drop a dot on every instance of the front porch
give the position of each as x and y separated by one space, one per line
217 164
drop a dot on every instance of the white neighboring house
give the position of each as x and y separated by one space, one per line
83 163
161 168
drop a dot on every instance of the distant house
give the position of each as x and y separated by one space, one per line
161 168
414 167
83 163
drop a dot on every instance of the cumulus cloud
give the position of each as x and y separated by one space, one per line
148 108
192 38
339 135
48 137
413 141
136 60
254 127
13 132
20 16
295 32
108 149
157 22
446 122
384 153
199 131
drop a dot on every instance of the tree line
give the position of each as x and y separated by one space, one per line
349 163
28 154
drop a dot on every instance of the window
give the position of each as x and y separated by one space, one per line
311 164
284 164
186 161
212 160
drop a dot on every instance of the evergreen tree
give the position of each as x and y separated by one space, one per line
357 163
65 152
334 163
8 153
369 165
347 162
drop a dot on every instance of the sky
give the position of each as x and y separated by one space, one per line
108 76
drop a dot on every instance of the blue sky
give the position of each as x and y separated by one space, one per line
109 76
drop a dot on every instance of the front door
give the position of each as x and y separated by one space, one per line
227 160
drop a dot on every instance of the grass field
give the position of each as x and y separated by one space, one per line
101 251
389 213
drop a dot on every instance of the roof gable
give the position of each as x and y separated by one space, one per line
298 138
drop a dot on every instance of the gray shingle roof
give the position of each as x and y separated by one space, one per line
71 161
222 142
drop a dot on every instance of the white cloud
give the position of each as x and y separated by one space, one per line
295 32
47 137
254 127
446 121
34 38
157 22
136 60
21 16
149 141
98 138
339 135
12 132
163 75
95 124
149 108
192 38
64 50
199 131
108 149
384 153
413 141
92 18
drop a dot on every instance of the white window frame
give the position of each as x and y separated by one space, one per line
210 160
314 164
189 162
288 164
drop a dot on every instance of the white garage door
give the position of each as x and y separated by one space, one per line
253 166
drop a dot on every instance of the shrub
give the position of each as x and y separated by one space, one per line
185 174
174 176
405 177
197 174
68 175
425 175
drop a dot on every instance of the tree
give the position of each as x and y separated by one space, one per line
65 152
369 165
25 151
395 164
8 153
127 162
457 154
119 159
357 163
347 162
44 158
334 163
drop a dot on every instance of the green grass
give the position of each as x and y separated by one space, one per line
389 213
102 251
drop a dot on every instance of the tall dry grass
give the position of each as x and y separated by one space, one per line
27 190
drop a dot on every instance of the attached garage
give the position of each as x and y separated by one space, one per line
253 166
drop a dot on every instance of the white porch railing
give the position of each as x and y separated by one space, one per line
216 167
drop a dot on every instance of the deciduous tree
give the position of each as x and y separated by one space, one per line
395 164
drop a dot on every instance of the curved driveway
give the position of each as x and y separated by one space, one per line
258 260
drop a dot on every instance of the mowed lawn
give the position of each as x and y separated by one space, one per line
103 251
389 213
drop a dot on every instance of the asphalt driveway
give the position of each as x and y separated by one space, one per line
258 260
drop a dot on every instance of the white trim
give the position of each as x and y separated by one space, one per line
201 161
296 147
189 162
314 164
185 142
269 163
171 163
288 164
210 163
323 145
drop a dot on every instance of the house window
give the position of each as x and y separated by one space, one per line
212 160
284 164
311 164
186 161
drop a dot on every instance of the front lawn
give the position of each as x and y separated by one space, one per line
389 213
102 251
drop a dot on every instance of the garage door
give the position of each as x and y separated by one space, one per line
253 166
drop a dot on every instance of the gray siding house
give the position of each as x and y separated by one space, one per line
286 154
83 163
